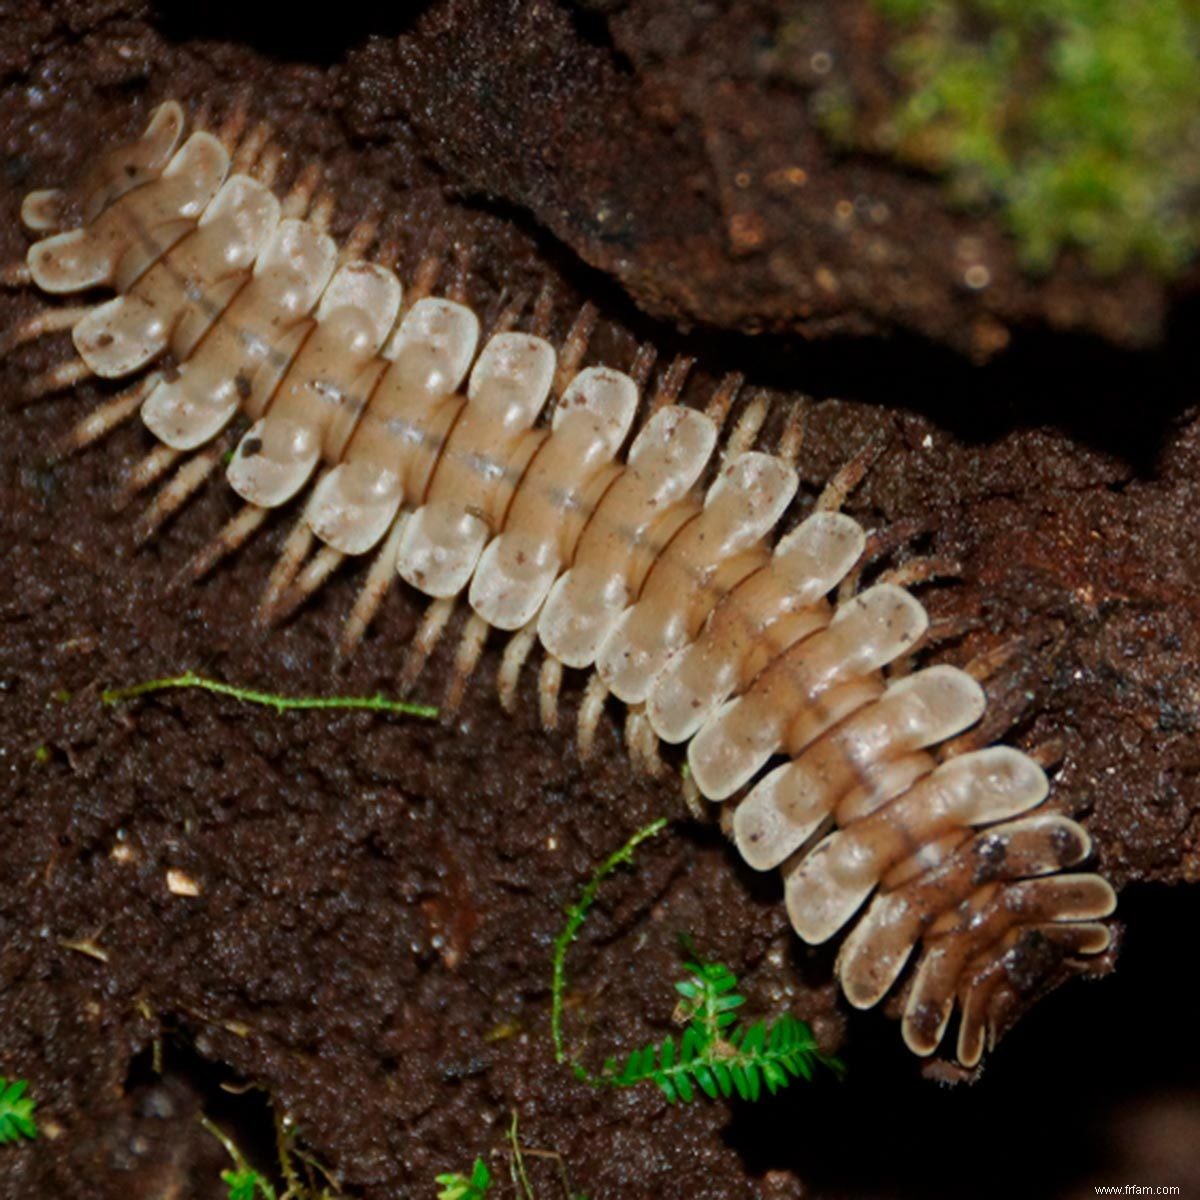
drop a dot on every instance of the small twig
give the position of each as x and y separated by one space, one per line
85 946
279 703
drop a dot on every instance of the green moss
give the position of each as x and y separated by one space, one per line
1079 118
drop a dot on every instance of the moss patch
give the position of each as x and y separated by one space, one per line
1079 118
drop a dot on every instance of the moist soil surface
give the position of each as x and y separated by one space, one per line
370 942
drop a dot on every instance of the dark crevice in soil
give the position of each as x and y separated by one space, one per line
1077 385
283 32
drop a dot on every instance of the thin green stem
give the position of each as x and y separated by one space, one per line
283 1152
520 1177
576 915
268 699
245 1176
231 1148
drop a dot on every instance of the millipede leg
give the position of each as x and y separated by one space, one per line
466 659
848 588
321 211
671 383
378 581
947 629
49 320
849 477
295 551
146 471
250 147
983 666
458 283
433 625
792 439
387 254
1005 705
543 311
428 270
233 534
509 315
944 629
642 365
574 347
692 797
57 379
229 134
103 420
642 742
633 741
296 203
315 572
359 240
879 542
549 686
749 425
922 570
721 401
1002 713
516 653
266 168
648 745
202 117
1049 754
590 710
186 482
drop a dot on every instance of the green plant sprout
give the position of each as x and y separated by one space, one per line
459 1187
1079 118
269 699
716 1054
16 1111
245 1183
456 1186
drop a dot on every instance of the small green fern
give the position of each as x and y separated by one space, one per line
716 1054
459 1187
16 1111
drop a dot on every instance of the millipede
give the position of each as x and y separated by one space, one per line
579 509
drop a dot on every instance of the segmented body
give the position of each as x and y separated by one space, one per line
435 454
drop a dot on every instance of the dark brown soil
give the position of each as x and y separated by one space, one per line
371 942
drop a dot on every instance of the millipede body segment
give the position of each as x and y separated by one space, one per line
584 529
